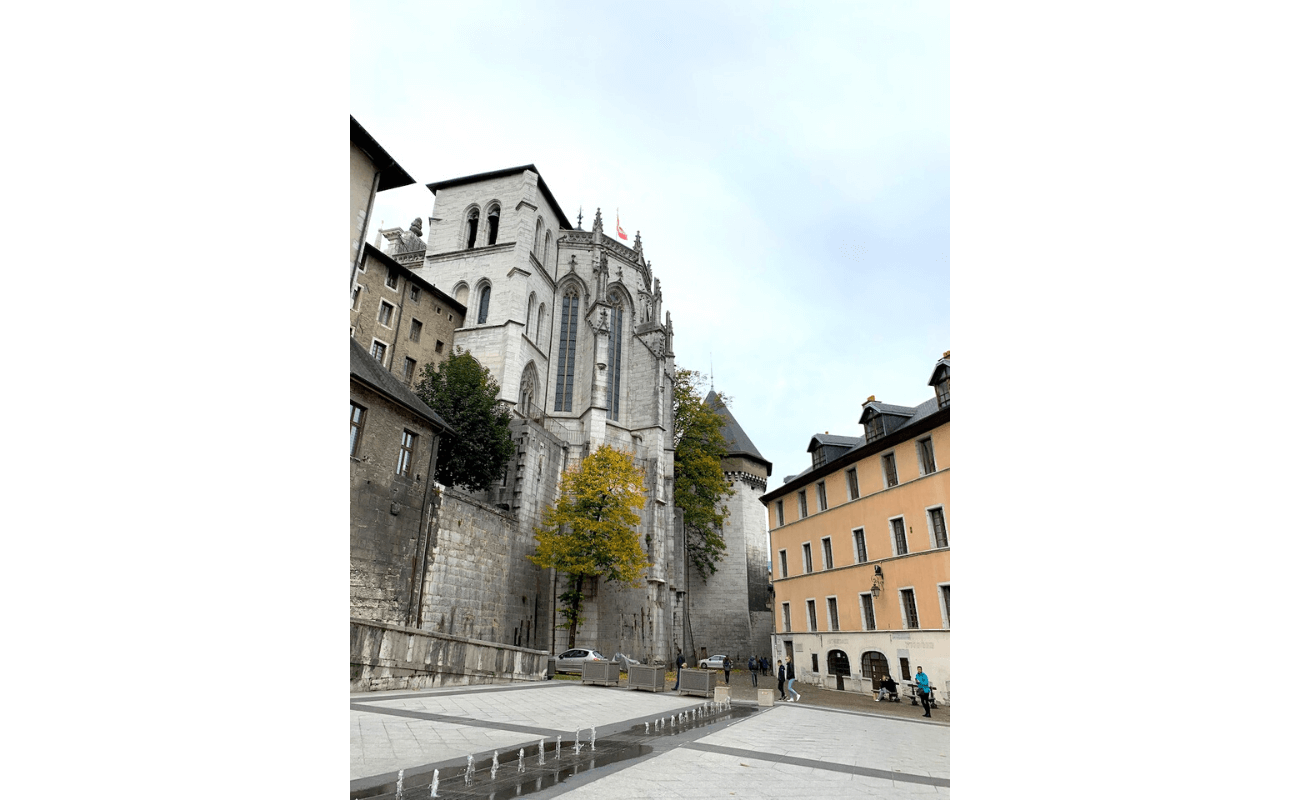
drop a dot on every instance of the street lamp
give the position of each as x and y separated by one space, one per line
877 582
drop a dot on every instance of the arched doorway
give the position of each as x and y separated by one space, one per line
875 664
837 664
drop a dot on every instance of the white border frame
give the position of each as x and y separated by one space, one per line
388 351
884 475
827 544
410 324
929 524
786 619
902 609
783 561
833 621
415 371
823 502
360 289
808 617
943 611
865 550
920 462
380 310
395 289
805 550
780 514
862 615
893 544
415 448
848 486
803 503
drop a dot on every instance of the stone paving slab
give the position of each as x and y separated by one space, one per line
383 744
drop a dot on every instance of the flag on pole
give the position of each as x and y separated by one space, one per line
621 235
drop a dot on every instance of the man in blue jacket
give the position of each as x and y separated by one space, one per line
681 662
923 688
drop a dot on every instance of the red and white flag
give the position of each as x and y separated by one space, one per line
621 235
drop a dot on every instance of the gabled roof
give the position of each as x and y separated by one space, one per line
885 408
944 366
367 369
501 173
833 440
738 443
391 174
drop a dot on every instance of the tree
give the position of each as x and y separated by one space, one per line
591 530
464 394
700 486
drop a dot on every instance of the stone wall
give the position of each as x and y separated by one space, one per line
393 657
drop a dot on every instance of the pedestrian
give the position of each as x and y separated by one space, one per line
923 689
780 678
767 665
789 682
681 662
753 674
887 688
726 669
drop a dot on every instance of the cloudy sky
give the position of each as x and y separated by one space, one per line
787 167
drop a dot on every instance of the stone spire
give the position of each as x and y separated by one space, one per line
637 244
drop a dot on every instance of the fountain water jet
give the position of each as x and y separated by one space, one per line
400 774
521 759
494 765
469 768
433 787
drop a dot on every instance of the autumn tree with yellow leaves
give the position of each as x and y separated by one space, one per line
591 531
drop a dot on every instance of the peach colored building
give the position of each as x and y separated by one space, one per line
860 544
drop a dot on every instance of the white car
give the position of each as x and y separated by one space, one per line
712 662
571 660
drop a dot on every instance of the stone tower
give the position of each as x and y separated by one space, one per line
731 613
569 323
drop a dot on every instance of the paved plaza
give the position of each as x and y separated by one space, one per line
791 750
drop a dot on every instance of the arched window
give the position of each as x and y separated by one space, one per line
461 293
484 296
568 349
528 390
494 222
537 241
541 326
471 230
546 254
875 666
528 321
615 354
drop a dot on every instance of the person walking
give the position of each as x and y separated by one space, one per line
681 662
753 674
726 670
923 689
765 665
789 682
780 678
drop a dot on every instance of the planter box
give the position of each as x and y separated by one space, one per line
765 697
698 682
645 676
722 693
604 673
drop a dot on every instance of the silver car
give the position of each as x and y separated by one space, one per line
571 660
712 662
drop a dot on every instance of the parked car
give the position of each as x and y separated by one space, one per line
623 661
571 660
712 662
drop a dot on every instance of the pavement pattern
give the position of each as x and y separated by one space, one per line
792 750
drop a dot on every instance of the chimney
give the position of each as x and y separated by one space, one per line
947 353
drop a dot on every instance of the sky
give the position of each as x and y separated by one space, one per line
787 167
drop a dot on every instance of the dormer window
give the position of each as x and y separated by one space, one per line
819 457
875 427
939 380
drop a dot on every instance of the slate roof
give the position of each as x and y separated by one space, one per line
834 440
738 442
391 174
915 414
369 371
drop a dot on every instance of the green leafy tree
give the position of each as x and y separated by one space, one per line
464 394
700 486
591 530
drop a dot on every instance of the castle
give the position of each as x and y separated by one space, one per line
571 324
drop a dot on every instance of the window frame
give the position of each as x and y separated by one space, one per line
893 535
922 451
414 330
379 315
929 522
785 564
828 555
803 504
413 292
888 460
785 616
860 546
833 613
807 557
865 602
908 591
408 369
780 513
381 358
944 602
405 454
357 426
851 488
810 613
356 297
393 279
822 504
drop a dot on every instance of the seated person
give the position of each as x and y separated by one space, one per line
887 687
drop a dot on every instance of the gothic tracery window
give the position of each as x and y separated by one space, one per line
484 297
567 350
494 222
472 229
615 354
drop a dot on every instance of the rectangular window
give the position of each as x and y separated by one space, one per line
385 313
819 457
938 528
903 668
780 513
416 328
415 293
925 455
821 496
833 611
378 349
803 504
875 428
356 297
391 280
860 545
785 571
358 425
407 454
408 370
891 470
851 477
827 561
900 536
812 615
947 604
909 608
807 557
814 662
785 615
868 613
437 348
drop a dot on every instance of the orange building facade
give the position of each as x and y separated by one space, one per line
860 546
